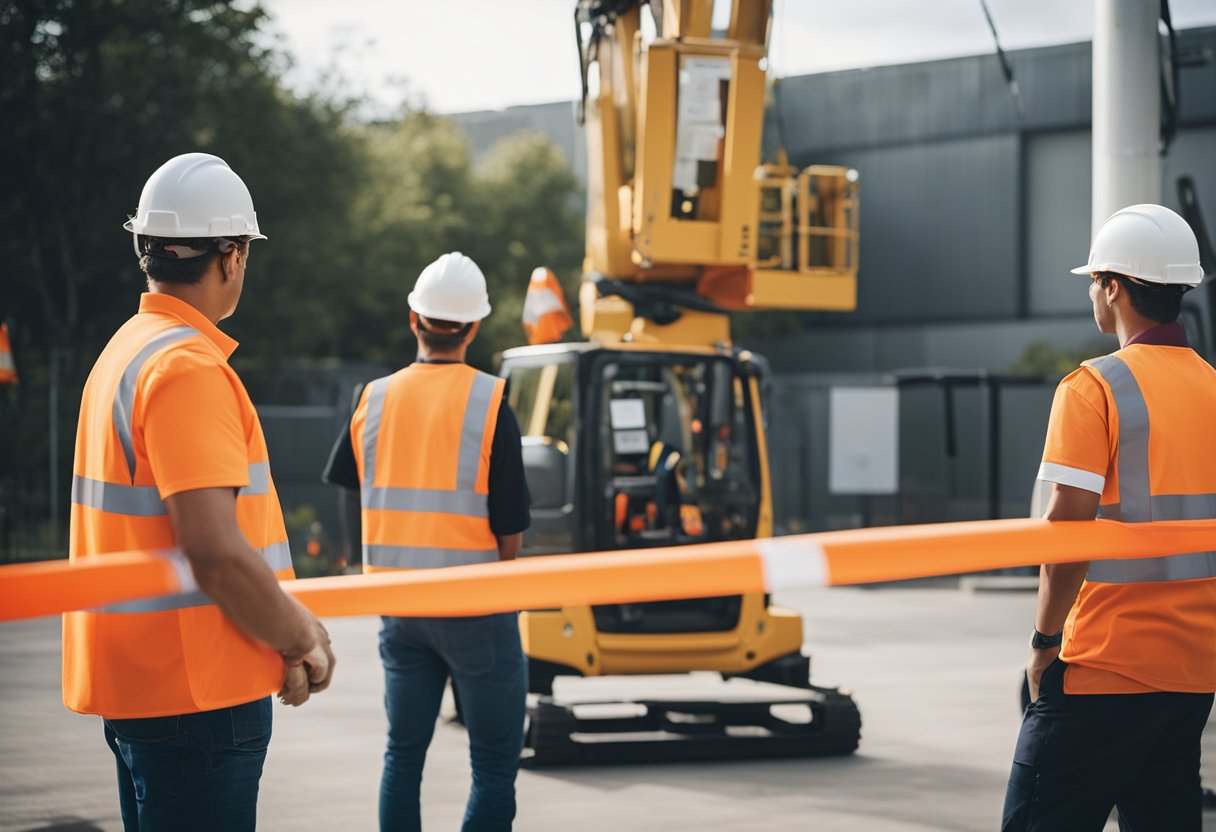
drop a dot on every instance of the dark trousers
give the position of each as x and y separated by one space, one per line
489 675
191 772
1079 756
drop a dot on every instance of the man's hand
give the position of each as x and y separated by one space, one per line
1040 660
309 669
319 661
295 686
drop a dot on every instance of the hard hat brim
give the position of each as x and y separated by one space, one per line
449 315
1192 280
129 225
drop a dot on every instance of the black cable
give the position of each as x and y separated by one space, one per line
1169 82
1006 68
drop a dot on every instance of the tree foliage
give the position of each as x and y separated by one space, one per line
96 94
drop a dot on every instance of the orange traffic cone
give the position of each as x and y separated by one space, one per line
546 315
8 370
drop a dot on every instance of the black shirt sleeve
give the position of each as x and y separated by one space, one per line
510 503
342 469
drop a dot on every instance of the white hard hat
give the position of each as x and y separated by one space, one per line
451 289
195 195
1147 242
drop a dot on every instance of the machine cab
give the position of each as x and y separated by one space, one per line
629 448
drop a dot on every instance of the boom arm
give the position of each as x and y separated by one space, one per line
676 192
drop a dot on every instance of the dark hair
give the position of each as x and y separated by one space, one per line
442 336
1158 302
160 258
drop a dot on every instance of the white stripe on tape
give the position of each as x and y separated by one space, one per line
185 575
1076 477
792 564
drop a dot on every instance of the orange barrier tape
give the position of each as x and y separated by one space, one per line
826 559
31 590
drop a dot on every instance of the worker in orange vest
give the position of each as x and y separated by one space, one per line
434 450
170 457
1123 652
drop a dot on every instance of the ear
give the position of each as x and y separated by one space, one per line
228 262
1113 291
473 332
414 321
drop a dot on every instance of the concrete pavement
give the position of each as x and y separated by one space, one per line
934 671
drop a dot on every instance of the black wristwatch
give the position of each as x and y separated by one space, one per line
1038 641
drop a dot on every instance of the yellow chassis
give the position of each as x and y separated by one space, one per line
569 637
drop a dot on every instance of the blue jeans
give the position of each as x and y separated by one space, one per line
489 674
191 772
1079 755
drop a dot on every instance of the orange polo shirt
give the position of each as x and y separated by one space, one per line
1146 635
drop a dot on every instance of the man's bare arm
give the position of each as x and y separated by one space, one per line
1059 583
508 545
242 585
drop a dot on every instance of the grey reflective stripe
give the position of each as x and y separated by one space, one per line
371 433
1136 503
1148 570
1133 438
463 503
115 498
161 603
144 500
124 396
1183 506
473 431
424 557
276 555
259 480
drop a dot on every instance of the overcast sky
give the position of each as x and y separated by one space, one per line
462 55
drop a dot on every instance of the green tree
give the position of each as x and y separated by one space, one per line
1042 358
518 209
96 95
533 216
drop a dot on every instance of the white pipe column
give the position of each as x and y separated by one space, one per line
1127 106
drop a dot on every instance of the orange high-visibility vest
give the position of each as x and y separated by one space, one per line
422 440
174 654
8 370
1146 624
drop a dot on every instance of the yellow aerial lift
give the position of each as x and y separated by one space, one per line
651 433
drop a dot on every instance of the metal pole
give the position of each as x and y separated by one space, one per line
1126 106
993 386
53 433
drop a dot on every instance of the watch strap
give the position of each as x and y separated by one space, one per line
1041 641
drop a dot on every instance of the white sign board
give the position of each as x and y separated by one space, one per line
864 440
627 413
630 441
698 117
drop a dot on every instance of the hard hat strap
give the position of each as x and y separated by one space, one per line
428 326
184 249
